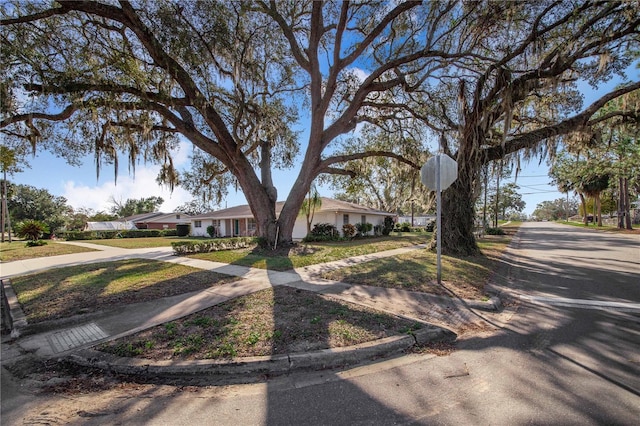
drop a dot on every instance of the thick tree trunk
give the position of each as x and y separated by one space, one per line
457 218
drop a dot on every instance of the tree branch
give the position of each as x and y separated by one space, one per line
326 163
569 125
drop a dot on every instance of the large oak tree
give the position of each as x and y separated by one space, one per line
231 77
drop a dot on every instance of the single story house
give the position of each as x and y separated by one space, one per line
238 221
158 220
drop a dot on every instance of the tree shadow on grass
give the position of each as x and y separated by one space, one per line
82 289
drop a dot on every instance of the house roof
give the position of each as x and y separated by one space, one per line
158 217
110 226
142 217
328 205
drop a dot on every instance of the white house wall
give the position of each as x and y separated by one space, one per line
334 218
300 226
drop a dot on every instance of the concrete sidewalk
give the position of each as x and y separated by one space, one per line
64 339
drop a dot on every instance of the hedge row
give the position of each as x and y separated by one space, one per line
107 235
206 246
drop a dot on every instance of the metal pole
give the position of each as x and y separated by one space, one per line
438 220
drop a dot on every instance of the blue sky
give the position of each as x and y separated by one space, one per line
81 188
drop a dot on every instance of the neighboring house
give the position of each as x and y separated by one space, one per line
158 220
109 226
418 220
238 221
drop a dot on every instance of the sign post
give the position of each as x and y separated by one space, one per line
438 173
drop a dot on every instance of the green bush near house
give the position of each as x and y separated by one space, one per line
348 230
387 225
107 235
207 246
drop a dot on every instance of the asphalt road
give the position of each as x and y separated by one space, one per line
567 353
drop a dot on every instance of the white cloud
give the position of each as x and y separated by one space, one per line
181 155
143 185
360 73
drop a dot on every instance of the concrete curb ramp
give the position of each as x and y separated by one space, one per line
272 365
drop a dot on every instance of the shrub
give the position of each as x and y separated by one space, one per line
31 229
310 238
405 227
206 246
495 231
387 225
211 231
36 243
348 230
324 229
431 226
367 227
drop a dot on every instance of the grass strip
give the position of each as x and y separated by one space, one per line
17 250
274 321
64 292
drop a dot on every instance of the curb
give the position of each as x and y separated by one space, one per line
271 365
18 320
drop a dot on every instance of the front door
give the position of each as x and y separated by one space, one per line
236 227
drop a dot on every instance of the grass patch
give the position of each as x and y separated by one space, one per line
144 242
278 320
305 254
18 250
64 292
416 271
595 227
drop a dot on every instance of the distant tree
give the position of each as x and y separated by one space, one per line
79 218
557 209
195 207
28 202
507 200
133 206
102 217
311 203
385 183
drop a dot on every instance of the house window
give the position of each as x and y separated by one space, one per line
251 226
345 219
363 219
177 216
197 224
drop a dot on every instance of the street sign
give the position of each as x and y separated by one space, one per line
448 172
437 174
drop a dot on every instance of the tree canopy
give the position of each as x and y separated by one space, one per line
133 206
488 79
27 202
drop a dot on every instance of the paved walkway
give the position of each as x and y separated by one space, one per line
56 339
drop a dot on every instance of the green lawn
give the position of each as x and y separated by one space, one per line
17 250
64 292
306 254
133 243
463 276
595 227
